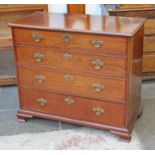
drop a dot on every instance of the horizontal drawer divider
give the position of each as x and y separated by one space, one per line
73 94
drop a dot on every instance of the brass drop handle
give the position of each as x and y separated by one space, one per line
66 37
36 37
97 87
40 78
38 56
42 101
68 77
69 100
97 64
98 111
67 56
96 43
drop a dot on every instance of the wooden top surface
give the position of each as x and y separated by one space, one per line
122 26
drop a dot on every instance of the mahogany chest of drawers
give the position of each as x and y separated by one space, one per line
147 12
73 69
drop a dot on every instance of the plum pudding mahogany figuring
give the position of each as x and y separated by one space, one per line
81 69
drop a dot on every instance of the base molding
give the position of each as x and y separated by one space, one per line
125 136
122 132
22 117
7 80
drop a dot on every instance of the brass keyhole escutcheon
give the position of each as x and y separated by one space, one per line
36 37
40 78
96 43
66 37
98 111
69 100
97 64
67 56
42 101
68 77
97 87
38 56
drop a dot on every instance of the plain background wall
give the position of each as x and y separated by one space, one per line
57 8
90 8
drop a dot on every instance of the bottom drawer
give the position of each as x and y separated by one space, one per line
149 63
73 107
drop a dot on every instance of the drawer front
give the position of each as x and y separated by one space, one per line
64 81
149 27
71 40
73 107
72 60
149 44
149 63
